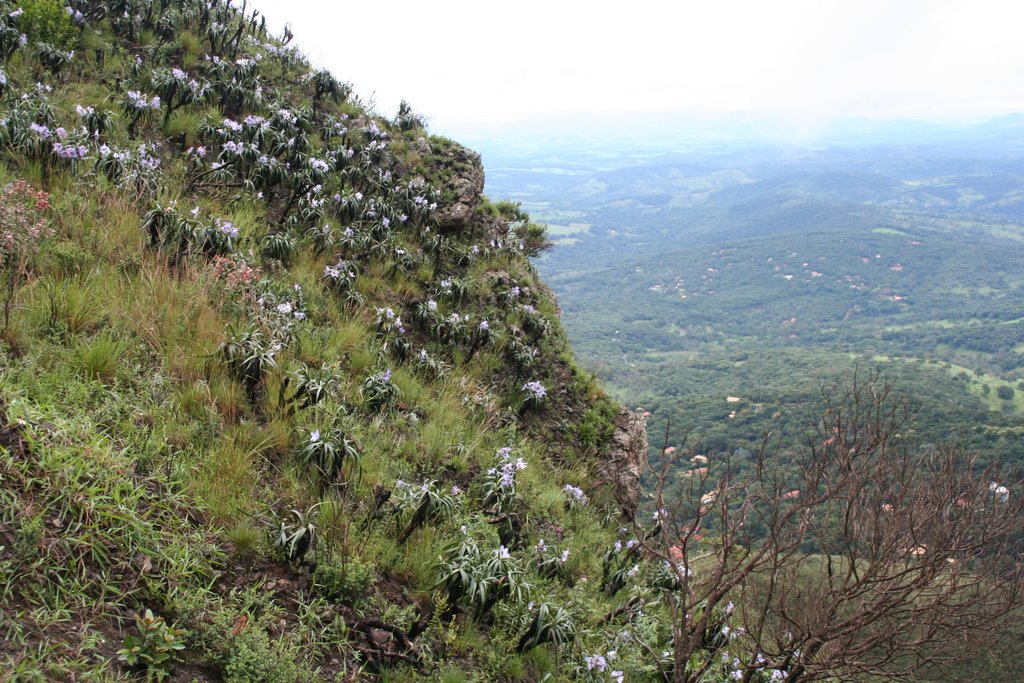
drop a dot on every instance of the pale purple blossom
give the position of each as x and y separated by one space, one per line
535 389
596 661
576 494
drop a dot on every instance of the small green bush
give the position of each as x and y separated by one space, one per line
347 582
155 647
251 656
46 21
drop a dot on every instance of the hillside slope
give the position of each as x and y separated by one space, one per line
281 395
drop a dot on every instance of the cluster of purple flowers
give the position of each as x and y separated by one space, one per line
630 544
507 468
70 151
374 131
338 272
140 102
290 309
146 158
575 494
535 389
287 116
599 663
226 227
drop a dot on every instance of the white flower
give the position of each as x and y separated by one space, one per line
502 553
314 436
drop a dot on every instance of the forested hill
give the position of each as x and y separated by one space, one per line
763 271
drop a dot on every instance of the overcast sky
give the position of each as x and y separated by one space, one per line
470 64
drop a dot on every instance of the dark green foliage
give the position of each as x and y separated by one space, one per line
379 392
329 455
346 581
249 355
551 624
154 647
296 533
46 21
408 120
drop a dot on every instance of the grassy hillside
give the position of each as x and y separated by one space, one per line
281 396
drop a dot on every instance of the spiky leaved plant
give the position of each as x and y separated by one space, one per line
328 455
550 624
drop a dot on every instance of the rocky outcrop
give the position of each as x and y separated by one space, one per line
463 176
627 459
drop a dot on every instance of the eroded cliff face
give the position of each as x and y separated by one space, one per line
627 459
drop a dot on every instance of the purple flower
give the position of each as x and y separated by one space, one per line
596 661
536 390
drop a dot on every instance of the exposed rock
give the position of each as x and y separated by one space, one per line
462 190
627 459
